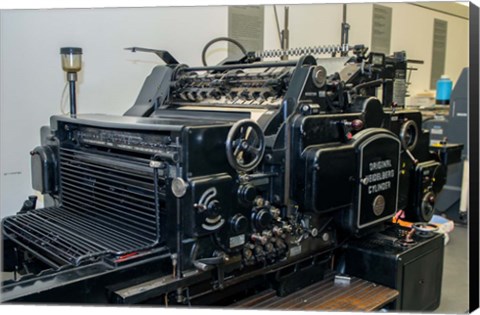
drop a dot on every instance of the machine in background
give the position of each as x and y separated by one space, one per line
220 178
452 127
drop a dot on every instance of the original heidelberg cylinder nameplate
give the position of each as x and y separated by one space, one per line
378 185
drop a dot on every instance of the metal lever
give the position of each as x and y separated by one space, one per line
163 54
410 155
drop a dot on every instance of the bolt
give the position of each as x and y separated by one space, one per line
260 202
325 237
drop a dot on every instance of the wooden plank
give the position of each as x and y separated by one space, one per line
325 295
256 299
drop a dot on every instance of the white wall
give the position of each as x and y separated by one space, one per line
32 79
309 25
318 24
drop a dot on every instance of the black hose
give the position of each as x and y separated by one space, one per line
220 39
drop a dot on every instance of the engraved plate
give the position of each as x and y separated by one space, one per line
237 240
294 251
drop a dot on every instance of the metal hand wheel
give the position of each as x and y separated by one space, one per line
245 145
424 229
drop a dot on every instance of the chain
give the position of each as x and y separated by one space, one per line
326 49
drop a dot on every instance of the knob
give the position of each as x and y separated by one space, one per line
319 76
263 219
259 253
357 124
247 194
280 246
247 254
269 249
213 208
239 224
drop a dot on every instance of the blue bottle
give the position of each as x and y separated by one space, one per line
444 90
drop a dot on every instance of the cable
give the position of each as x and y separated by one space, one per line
63 101
220 39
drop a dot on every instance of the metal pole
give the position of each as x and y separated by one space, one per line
286 35
345 29
72 78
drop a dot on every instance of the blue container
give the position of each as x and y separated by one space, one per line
444 90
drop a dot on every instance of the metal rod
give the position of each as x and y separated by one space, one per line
278 26
73 101
286 191
98 229
157 204
286 33
344 31
179 223
243 66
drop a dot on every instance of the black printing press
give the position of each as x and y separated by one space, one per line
223 179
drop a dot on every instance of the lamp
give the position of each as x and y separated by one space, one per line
71 64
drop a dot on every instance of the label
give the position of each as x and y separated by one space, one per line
399 88
379 181
394 118
461 114
378 184
237 240
436 131
296 250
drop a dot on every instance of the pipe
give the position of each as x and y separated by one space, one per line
72 78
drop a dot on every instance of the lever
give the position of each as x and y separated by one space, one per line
163 54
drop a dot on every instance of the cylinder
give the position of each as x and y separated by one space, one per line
444 90
71 59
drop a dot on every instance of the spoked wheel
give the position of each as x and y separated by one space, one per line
245 145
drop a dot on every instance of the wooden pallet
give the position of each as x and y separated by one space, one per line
325 295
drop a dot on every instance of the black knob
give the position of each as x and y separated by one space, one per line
247 194
239 224
269 249
259 253
213 208
263 219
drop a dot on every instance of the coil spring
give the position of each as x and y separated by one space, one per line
318 50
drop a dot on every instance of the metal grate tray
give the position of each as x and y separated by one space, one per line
110 207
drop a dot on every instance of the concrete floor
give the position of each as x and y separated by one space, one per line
455 273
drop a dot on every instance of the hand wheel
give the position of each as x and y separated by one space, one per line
245 145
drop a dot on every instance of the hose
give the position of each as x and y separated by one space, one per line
220 39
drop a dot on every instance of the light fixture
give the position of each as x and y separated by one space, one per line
71 64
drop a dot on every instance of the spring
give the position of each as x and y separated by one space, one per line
317 50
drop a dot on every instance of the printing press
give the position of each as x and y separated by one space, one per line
223 179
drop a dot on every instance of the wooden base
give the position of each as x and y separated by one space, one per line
326 295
